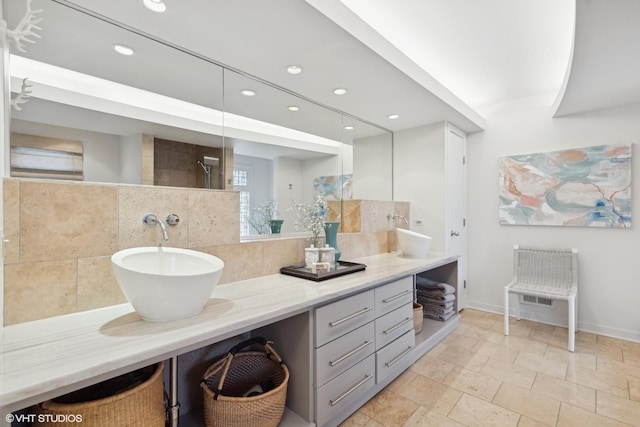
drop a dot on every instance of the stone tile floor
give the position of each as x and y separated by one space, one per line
478 377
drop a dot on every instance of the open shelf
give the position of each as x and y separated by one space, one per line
432 333
195 418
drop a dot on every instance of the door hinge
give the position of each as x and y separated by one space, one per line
465 284
464 160
464 222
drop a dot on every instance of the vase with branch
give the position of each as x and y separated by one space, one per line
263 218
311 217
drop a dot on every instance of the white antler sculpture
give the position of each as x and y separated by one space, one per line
23 96
24 29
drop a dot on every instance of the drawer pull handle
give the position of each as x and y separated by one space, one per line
349 317
395 297
396 326
344 356
398 357
337 400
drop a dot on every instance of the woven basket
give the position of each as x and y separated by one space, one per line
417 317
139 403
227 382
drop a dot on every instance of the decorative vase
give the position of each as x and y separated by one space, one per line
331 234
276 225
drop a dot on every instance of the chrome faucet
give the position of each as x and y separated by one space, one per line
395 215
151 220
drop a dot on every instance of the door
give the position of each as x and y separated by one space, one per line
456 183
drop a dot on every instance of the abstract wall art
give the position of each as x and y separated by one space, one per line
582 187
334 187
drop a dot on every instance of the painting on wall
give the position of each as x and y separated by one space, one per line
334 187
583 187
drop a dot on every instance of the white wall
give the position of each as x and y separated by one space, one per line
419 178
372 168
130 159
289 189
609 262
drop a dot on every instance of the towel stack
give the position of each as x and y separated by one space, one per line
437 298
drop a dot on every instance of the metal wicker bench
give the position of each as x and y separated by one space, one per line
546 273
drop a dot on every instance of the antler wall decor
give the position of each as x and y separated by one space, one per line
24 30
23 96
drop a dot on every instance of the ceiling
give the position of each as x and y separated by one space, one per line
605 66
484 51
425 60
263 38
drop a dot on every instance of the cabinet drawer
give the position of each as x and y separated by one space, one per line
339 393
392 358
393 295
394 324
340 317
340 354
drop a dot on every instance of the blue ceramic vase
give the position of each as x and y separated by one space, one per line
331 234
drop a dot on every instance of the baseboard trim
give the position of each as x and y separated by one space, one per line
593 328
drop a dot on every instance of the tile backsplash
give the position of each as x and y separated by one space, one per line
59 238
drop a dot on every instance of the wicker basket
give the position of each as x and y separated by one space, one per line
417 317
228 383
138 401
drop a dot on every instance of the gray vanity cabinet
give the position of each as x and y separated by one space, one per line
359 341
342 353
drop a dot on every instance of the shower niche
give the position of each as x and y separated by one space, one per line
180 164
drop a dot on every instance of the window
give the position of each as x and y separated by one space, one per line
241 184
42 157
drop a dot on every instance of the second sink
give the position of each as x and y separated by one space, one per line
412 244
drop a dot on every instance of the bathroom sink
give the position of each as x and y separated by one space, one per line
412 244
166 283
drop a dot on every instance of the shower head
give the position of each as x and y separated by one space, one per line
206 168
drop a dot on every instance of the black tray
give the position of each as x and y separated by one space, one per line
344 267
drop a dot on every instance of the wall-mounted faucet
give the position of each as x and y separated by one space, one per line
151 220
395 215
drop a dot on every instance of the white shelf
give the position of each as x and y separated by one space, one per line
432 333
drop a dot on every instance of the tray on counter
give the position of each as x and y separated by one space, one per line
344 267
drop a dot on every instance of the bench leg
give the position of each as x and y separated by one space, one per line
572 323
506 310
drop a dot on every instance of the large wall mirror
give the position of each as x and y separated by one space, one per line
164 116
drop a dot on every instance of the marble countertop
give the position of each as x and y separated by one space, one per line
42 359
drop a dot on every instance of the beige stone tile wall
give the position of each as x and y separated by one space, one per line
59 238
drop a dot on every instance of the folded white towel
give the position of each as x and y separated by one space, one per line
435 297
425 284
438 309
440 317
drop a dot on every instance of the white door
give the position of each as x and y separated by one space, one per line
456 183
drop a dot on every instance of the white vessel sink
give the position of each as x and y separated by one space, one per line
412 244
166 283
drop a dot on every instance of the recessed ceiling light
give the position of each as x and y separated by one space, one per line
393 116
340 91
123 50
155 5
349 128
294 69
248 92
293 108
